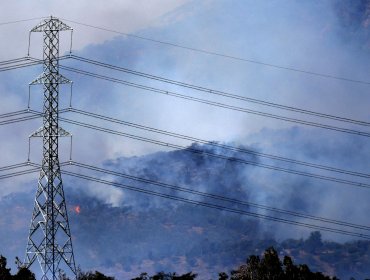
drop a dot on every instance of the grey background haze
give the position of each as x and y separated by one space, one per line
327 37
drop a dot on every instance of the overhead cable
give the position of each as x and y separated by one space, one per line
219 145
214 196
19 173
22 20
235 58
26 62
21 119
216 206
13 166
18 66
220 93
12 61
218 104
12 114
214 155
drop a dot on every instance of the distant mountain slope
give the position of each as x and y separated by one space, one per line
123 233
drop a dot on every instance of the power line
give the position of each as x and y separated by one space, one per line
18 66
36 61
14 60
17 63
22 172
215 206
219 93
209 205
322 75
215 144
13 166
22 119
208 102
217 104
22 20
19 173
211 154
12 114
218 197
21 63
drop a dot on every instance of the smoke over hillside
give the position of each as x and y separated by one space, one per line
124 232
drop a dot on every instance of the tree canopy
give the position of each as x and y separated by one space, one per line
166 276
267 267
22 274
270 267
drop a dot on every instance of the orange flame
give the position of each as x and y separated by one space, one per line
77 209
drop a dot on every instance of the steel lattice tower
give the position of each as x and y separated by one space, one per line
49 238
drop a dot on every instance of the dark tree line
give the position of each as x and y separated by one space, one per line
267 267
25 274
270 267
87 276
166 276
22 274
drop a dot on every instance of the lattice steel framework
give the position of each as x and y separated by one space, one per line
49 238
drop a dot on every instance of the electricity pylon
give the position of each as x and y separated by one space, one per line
49 239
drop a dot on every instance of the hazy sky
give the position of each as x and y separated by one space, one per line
126 16
328 37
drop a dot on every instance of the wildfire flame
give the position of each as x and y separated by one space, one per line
77 209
